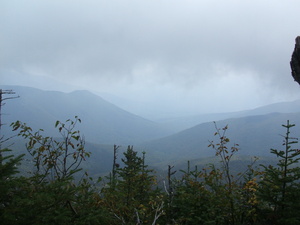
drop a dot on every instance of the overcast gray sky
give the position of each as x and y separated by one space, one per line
168 55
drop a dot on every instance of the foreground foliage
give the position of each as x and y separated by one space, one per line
59 192
279 187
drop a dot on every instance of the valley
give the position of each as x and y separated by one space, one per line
166 142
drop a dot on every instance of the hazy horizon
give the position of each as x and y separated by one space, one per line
162 57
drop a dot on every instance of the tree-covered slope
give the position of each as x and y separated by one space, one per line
254 134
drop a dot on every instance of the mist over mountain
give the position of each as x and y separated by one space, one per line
102 122
168 141
185 122
256 135
178 121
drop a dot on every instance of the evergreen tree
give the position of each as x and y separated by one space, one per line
8 181
279 187
132 198
214 195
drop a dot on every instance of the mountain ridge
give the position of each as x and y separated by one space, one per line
256 135
181 123
106 124
102 122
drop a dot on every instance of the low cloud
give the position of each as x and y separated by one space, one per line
143 45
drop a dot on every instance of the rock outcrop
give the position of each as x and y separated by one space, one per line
295 61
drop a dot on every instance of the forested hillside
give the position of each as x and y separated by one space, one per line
201 175
255 135
58 191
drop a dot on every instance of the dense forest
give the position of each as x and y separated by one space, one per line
58 191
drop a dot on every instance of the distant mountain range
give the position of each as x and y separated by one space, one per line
166 142
256 135
102 122
182 123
